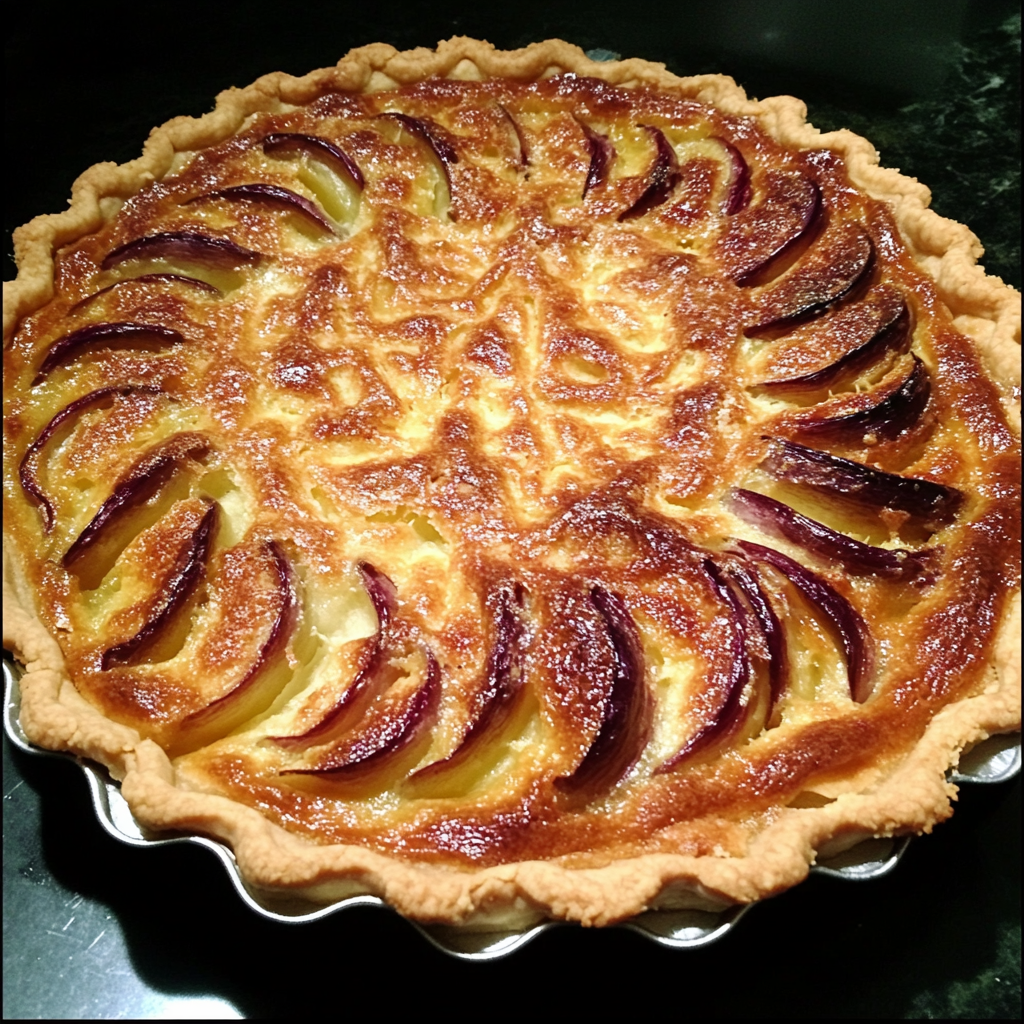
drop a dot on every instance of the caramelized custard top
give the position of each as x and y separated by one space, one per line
488 471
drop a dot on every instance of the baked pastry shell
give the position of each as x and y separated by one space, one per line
912 798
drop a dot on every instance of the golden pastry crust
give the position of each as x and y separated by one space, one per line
753 846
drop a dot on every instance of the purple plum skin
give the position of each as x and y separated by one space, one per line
188 574
141 482
270 195
738 189
760 234
861 485
277 639
368 679
428 132
836 262
853 631
888 418
384 741
602 153
285 143
893 336
502 685
191 282
69 346
780 520
728 716
187 246
771 629
662 178
626 719
27 469
524 149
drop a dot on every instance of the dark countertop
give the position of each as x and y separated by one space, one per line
96 929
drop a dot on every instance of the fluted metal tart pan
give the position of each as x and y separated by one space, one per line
996 760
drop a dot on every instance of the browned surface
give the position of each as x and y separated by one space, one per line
511 388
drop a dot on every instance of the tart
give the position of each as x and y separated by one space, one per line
512 485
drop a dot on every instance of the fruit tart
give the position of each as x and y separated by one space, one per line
512 485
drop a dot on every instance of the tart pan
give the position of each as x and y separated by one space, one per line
998 759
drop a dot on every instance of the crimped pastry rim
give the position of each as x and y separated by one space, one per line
913 798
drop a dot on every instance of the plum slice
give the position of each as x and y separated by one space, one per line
370 679
602 153
269 195
889 414
186 247
494 701
430 133
729 707
287 143
28 469
858 484
880 323
187 575
144 478
662 177
781 520
853 632
626 715
257 688
837 260
191 282
758 235
524 149
388 730
767 622
738 190
67 347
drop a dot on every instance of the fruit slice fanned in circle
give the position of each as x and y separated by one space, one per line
288 143
28 470
189 247
69 346
725 699
758 235
862 485
602 153
835 262
494 701
158 278
871 328
770 627
851 628
626 712
188 574
780 520
662 177
388 730
738 190
97 547
371 677
326 170
879 416
524 150
261 193
433 135
268 672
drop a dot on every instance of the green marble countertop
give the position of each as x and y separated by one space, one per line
95 929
